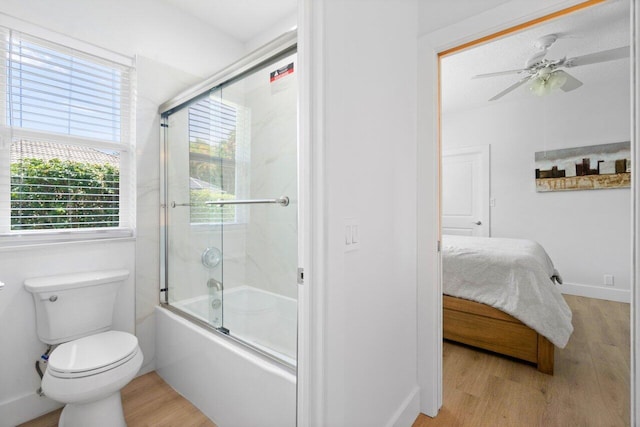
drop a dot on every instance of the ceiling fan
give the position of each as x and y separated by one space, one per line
546 75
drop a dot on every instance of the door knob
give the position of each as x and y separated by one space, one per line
477 222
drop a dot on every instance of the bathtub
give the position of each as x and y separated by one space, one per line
231 384
264 320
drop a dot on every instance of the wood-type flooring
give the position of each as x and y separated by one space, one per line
590 386
147 402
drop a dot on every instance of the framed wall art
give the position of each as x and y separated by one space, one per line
584 168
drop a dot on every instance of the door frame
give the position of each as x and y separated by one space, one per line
504 19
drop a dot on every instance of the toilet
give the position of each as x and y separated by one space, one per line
91 362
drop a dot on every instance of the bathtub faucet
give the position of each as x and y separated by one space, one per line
213 283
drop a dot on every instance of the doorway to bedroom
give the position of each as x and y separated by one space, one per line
550 103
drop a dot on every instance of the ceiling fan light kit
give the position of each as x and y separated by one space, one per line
545 84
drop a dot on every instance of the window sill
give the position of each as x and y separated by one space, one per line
31 240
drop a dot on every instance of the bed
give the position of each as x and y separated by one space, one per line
501 295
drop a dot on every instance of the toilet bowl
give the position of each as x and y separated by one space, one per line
88 373
91 363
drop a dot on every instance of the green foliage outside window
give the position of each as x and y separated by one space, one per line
55 194
214 164
214 169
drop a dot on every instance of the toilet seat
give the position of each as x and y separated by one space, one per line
89 388
92 355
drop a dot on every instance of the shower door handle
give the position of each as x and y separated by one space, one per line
175 205
282 201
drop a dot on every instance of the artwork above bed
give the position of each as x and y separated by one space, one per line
584 168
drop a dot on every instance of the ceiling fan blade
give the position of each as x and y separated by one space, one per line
602 56
514 86
499 73
571 83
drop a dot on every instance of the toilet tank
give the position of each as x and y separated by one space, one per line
75 305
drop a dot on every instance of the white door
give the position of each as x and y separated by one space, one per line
465 191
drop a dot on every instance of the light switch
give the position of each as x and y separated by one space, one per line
351 234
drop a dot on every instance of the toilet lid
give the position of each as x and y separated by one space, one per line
93 354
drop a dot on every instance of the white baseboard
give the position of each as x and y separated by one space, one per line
600 292
25 408
408 411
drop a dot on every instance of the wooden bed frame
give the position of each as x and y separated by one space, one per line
482 326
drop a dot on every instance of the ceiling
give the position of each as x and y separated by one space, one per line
241 19
600 27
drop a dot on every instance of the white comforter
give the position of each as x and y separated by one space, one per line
512 275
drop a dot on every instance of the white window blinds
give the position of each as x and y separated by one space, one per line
213 128
65 155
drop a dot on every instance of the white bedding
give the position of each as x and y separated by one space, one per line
513 275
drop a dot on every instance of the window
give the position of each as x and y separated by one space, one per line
216 135
65 145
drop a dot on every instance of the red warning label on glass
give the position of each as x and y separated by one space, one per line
281 72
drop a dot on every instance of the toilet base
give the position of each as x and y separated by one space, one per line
105 412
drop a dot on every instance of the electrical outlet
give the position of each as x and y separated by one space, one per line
608 279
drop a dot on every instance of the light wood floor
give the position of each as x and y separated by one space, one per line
147 401
590 386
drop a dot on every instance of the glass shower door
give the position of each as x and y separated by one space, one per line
197 143
231 190
261 284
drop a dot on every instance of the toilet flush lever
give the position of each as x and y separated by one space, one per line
1 285
53 298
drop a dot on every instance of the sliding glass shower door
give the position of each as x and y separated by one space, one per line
231 192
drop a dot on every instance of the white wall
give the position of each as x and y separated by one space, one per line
586 233
437 14
288 23
161 35
368 118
